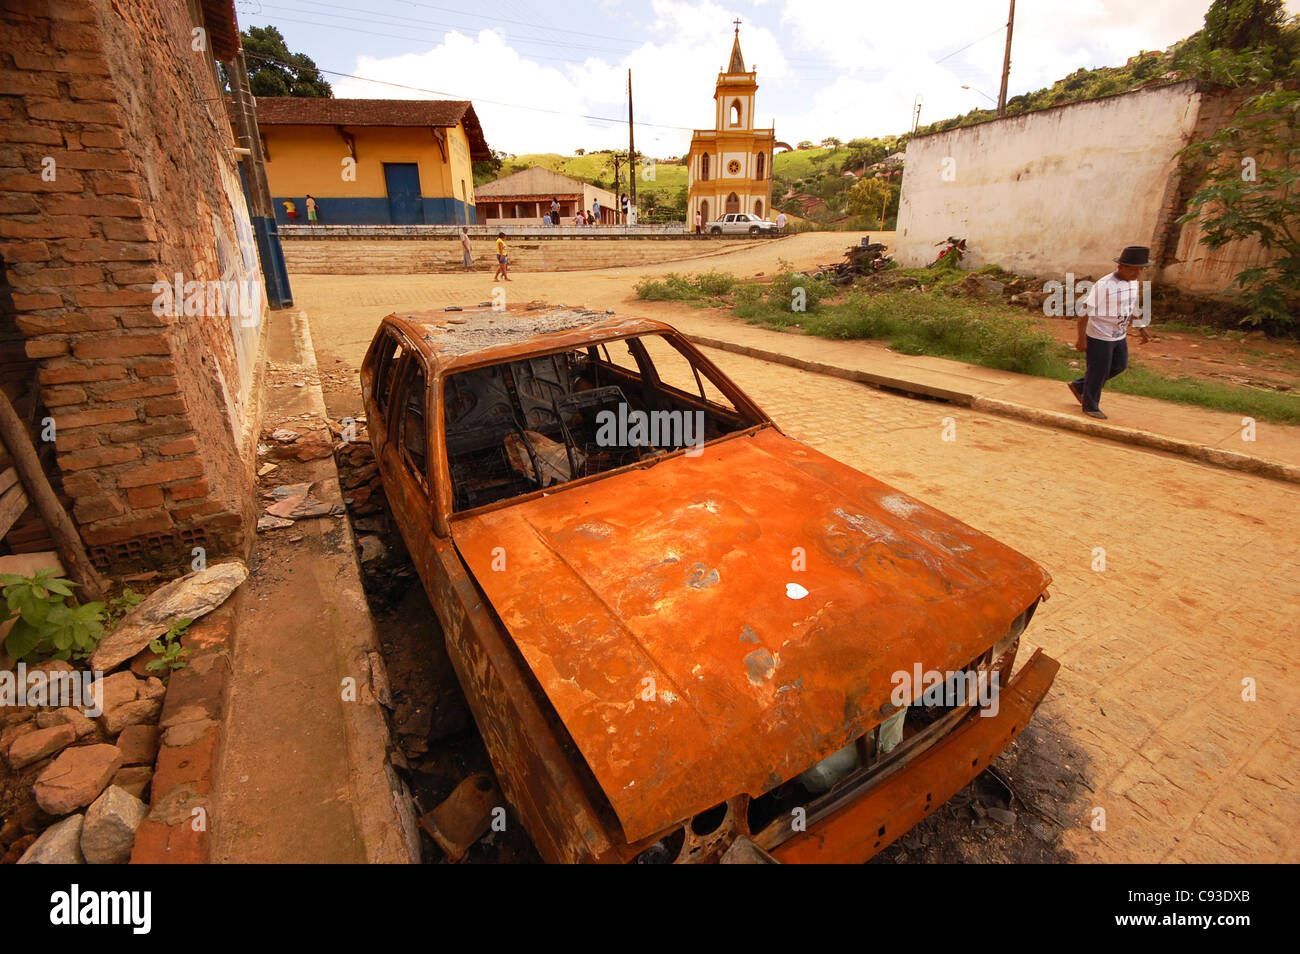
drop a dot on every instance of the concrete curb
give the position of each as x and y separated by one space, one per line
1204 453
388 825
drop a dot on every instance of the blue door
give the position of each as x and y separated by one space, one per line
405 203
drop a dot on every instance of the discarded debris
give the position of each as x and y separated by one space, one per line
192 596
267 468
296 502
269 522
372 548
464 817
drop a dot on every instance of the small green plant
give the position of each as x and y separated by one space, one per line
119 606
45 626
167 647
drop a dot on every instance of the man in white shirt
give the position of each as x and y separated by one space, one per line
1104 318
780 221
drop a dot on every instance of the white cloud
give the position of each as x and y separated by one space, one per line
830 67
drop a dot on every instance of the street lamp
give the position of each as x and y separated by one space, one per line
982 93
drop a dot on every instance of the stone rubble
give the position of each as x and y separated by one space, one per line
109 828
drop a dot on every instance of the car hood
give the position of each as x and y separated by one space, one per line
716 625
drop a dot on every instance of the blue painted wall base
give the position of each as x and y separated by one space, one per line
372 211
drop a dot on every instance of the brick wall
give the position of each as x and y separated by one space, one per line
155 431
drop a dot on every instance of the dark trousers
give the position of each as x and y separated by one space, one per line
1105 360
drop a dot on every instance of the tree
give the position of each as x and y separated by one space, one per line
1243 24
486 170
274 71
804 144
832 142
1251 188
869 198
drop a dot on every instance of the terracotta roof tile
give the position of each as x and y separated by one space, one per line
316 111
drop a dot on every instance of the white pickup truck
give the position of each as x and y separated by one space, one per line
741 223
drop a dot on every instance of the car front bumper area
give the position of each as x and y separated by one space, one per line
888 809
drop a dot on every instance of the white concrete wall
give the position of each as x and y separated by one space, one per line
1063 189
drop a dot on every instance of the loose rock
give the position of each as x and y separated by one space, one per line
35 746
134 779
139 744
59 845
81 724
133 713
76 777
109 830
193 595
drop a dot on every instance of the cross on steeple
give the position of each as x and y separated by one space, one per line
737 64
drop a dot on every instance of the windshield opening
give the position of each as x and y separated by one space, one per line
538 422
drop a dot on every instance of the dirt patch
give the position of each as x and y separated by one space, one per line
1245 359
438 745
1013 812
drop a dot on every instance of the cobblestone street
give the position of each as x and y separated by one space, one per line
1200 588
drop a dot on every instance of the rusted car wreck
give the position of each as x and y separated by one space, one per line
683 635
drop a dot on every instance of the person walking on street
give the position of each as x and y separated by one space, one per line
623 202
311 209
1104 317
595 211
503 260
555 211
465 247
699 223
780 221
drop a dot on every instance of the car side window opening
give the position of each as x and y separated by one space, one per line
412 430
390 353
525 425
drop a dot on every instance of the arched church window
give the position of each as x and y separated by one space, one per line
760 166
704 166
733 203
735 112
758 208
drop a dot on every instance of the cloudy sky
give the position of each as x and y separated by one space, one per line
551 77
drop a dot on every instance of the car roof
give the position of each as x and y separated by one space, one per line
469 337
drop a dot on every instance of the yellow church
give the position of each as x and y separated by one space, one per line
729 168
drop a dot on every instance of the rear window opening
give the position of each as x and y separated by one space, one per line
538 422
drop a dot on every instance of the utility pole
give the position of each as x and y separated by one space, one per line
1006 62
631 153
916 112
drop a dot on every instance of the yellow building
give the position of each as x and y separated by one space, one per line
729 168
371 161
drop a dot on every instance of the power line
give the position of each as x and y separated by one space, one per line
970 44
477 99
627 45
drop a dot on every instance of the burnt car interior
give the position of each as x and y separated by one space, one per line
519 426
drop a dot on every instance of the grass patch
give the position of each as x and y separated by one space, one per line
933 322
920 323
674 287
1278 407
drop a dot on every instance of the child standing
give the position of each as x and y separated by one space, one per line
503 260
